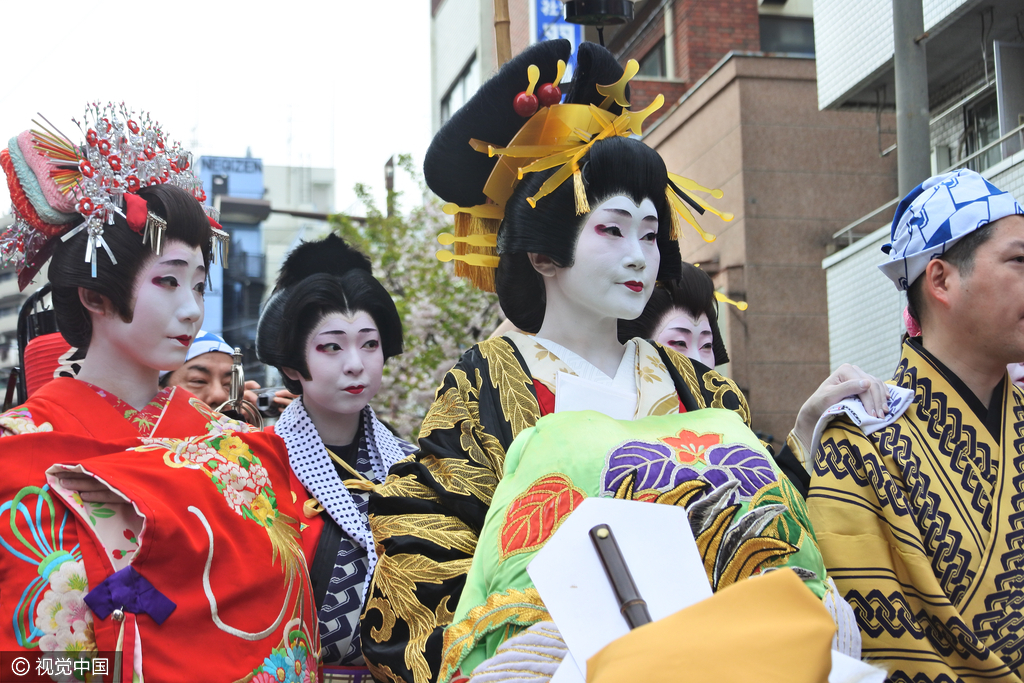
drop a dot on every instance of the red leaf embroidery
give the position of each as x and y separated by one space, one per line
535 515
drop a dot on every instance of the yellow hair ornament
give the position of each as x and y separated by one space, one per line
471 259
742 305
446 238
682 211
582 205
532 73
617 91
492 211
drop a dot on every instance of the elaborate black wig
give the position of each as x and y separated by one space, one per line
613 166
186 222
694 292
319 279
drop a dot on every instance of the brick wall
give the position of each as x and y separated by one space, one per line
519 24
706 30
643 92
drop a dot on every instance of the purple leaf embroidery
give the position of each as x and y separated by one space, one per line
751 468
656 468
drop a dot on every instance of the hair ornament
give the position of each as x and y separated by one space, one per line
741 305
556 136
60 188
220 240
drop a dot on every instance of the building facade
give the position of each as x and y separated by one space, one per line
975 59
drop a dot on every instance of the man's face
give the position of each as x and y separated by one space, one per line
208 376
988 303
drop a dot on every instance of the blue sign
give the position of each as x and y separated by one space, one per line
551 26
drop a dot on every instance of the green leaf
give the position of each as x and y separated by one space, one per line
103 512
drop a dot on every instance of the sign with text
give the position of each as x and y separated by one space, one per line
550 25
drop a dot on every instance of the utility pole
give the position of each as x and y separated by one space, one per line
389 183
913 162
502 35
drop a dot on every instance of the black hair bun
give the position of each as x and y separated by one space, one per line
331 255
454 170
595 66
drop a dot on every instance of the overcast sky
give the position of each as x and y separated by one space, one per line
342 83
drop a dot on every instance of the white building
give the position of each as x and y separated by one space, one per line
298 190
975 56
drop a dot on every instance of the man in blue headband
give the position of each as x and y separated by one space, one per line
921 523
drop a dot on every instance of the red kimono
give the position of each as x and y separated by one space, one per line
203 558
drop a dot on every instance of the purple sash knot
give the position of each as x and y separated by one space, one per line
128 591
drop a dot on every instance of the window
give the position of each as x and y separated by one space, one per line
653 63
464 87
787 34
982 128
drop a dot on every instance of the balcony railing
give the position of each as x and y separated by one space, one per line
244 264
850 234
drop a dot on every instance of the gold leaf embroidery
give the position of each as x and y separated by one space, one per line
382 672
682 494
443 615
722 386
711 538
461 478
449 408
752 553
521 607
517 403
387 616
683 365
447 532
407 487
395 577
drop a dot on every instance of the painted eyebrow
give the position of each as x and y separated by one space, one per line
343 333
628 214
175 263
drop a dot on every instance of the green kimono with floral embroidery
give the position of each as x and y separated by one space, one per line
427 517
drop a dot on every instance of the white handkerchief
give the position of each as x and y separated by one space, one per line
899 400
576 393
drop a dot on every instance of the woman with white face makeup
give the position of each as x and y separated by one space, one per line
120 499
589 222
329 328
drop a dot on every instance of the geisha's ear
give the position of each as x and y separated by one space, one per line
293 375
94 302
543 264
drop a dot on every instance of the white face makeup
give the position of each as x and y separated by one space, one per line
616 262
168 309
345 362
688 335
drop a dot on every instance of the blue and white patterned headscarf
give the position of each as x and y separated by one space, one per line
205 342
935 215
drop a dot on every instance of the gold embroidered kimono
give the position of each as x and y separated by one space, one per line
427 517
922 527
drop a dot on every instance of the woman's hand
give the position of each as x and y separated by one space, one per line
88 488
848 380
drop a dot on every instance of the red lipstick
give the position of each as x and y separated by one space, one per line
634 285
358 389
184 340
